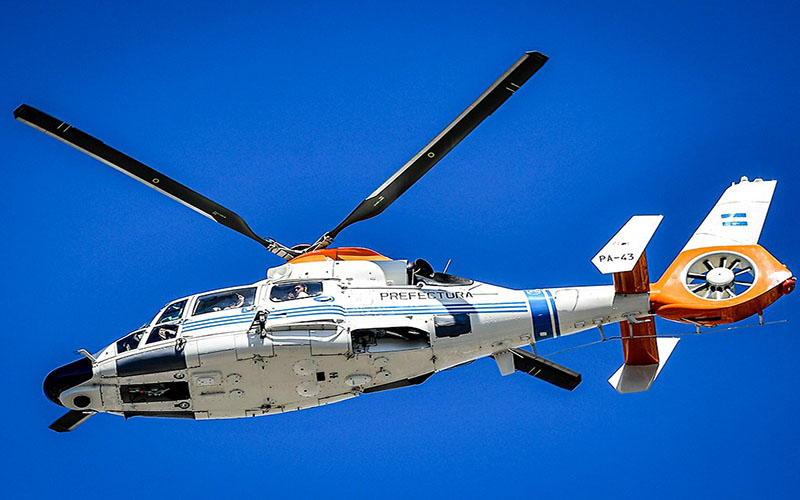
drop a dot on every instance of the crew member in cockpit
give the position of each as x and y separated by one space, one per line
300 291
239 302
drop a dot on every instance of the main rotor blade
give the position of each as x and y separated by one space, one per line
447 139
139 171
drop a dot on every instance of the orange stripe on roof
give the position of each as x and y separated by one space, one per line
344 253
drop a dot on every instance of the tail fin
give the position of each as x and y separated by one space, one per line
624 257
723 275
737 218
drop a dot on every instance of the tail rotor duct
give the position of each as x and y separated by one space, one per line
720 275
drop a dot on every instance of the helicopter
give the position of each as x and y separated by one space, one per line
330 324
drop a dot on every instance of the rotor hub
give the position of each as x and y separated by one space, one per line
720 276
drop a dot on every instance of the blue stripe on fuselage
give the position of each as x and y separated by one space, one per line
553 311
540 315
338 310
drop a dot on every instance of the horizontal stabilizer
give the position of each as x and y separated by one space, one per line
639 378
70 420
622 253
545 369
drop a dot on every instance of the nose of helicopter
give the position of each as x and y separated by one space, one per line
66 377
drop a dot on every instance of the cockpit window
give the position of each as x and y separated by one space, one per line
160 333
129 342
420 271
172 312
443 279
229 299
295 291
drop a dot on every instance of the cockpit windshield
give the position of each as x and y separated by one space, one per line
159 333
172 312
129 342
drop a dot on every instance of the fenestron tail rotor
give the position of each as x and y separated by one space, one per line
373 205
720 275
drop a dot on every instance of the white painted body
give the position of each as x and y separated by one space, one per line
305 355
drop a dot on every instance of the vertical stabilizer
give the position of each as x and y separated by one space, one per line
738 216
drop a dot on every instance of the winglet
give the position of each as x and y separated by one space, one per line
639 378
623 251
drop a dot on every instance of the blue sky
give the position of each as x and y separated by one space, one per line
290 116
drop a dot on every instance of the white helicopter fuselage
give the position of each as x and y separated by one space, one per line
357 326
331 324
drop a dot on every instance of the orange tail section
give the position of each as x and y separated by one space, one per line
723 275
718 285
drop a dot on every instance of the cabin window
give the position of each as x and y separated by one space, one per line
172 312
420 271
159 333
294 291
129 342
153 393
452 325
222 301
398 338
443 279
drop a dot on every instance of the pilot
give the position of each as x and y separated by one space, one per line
165 334
239 302
300 291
